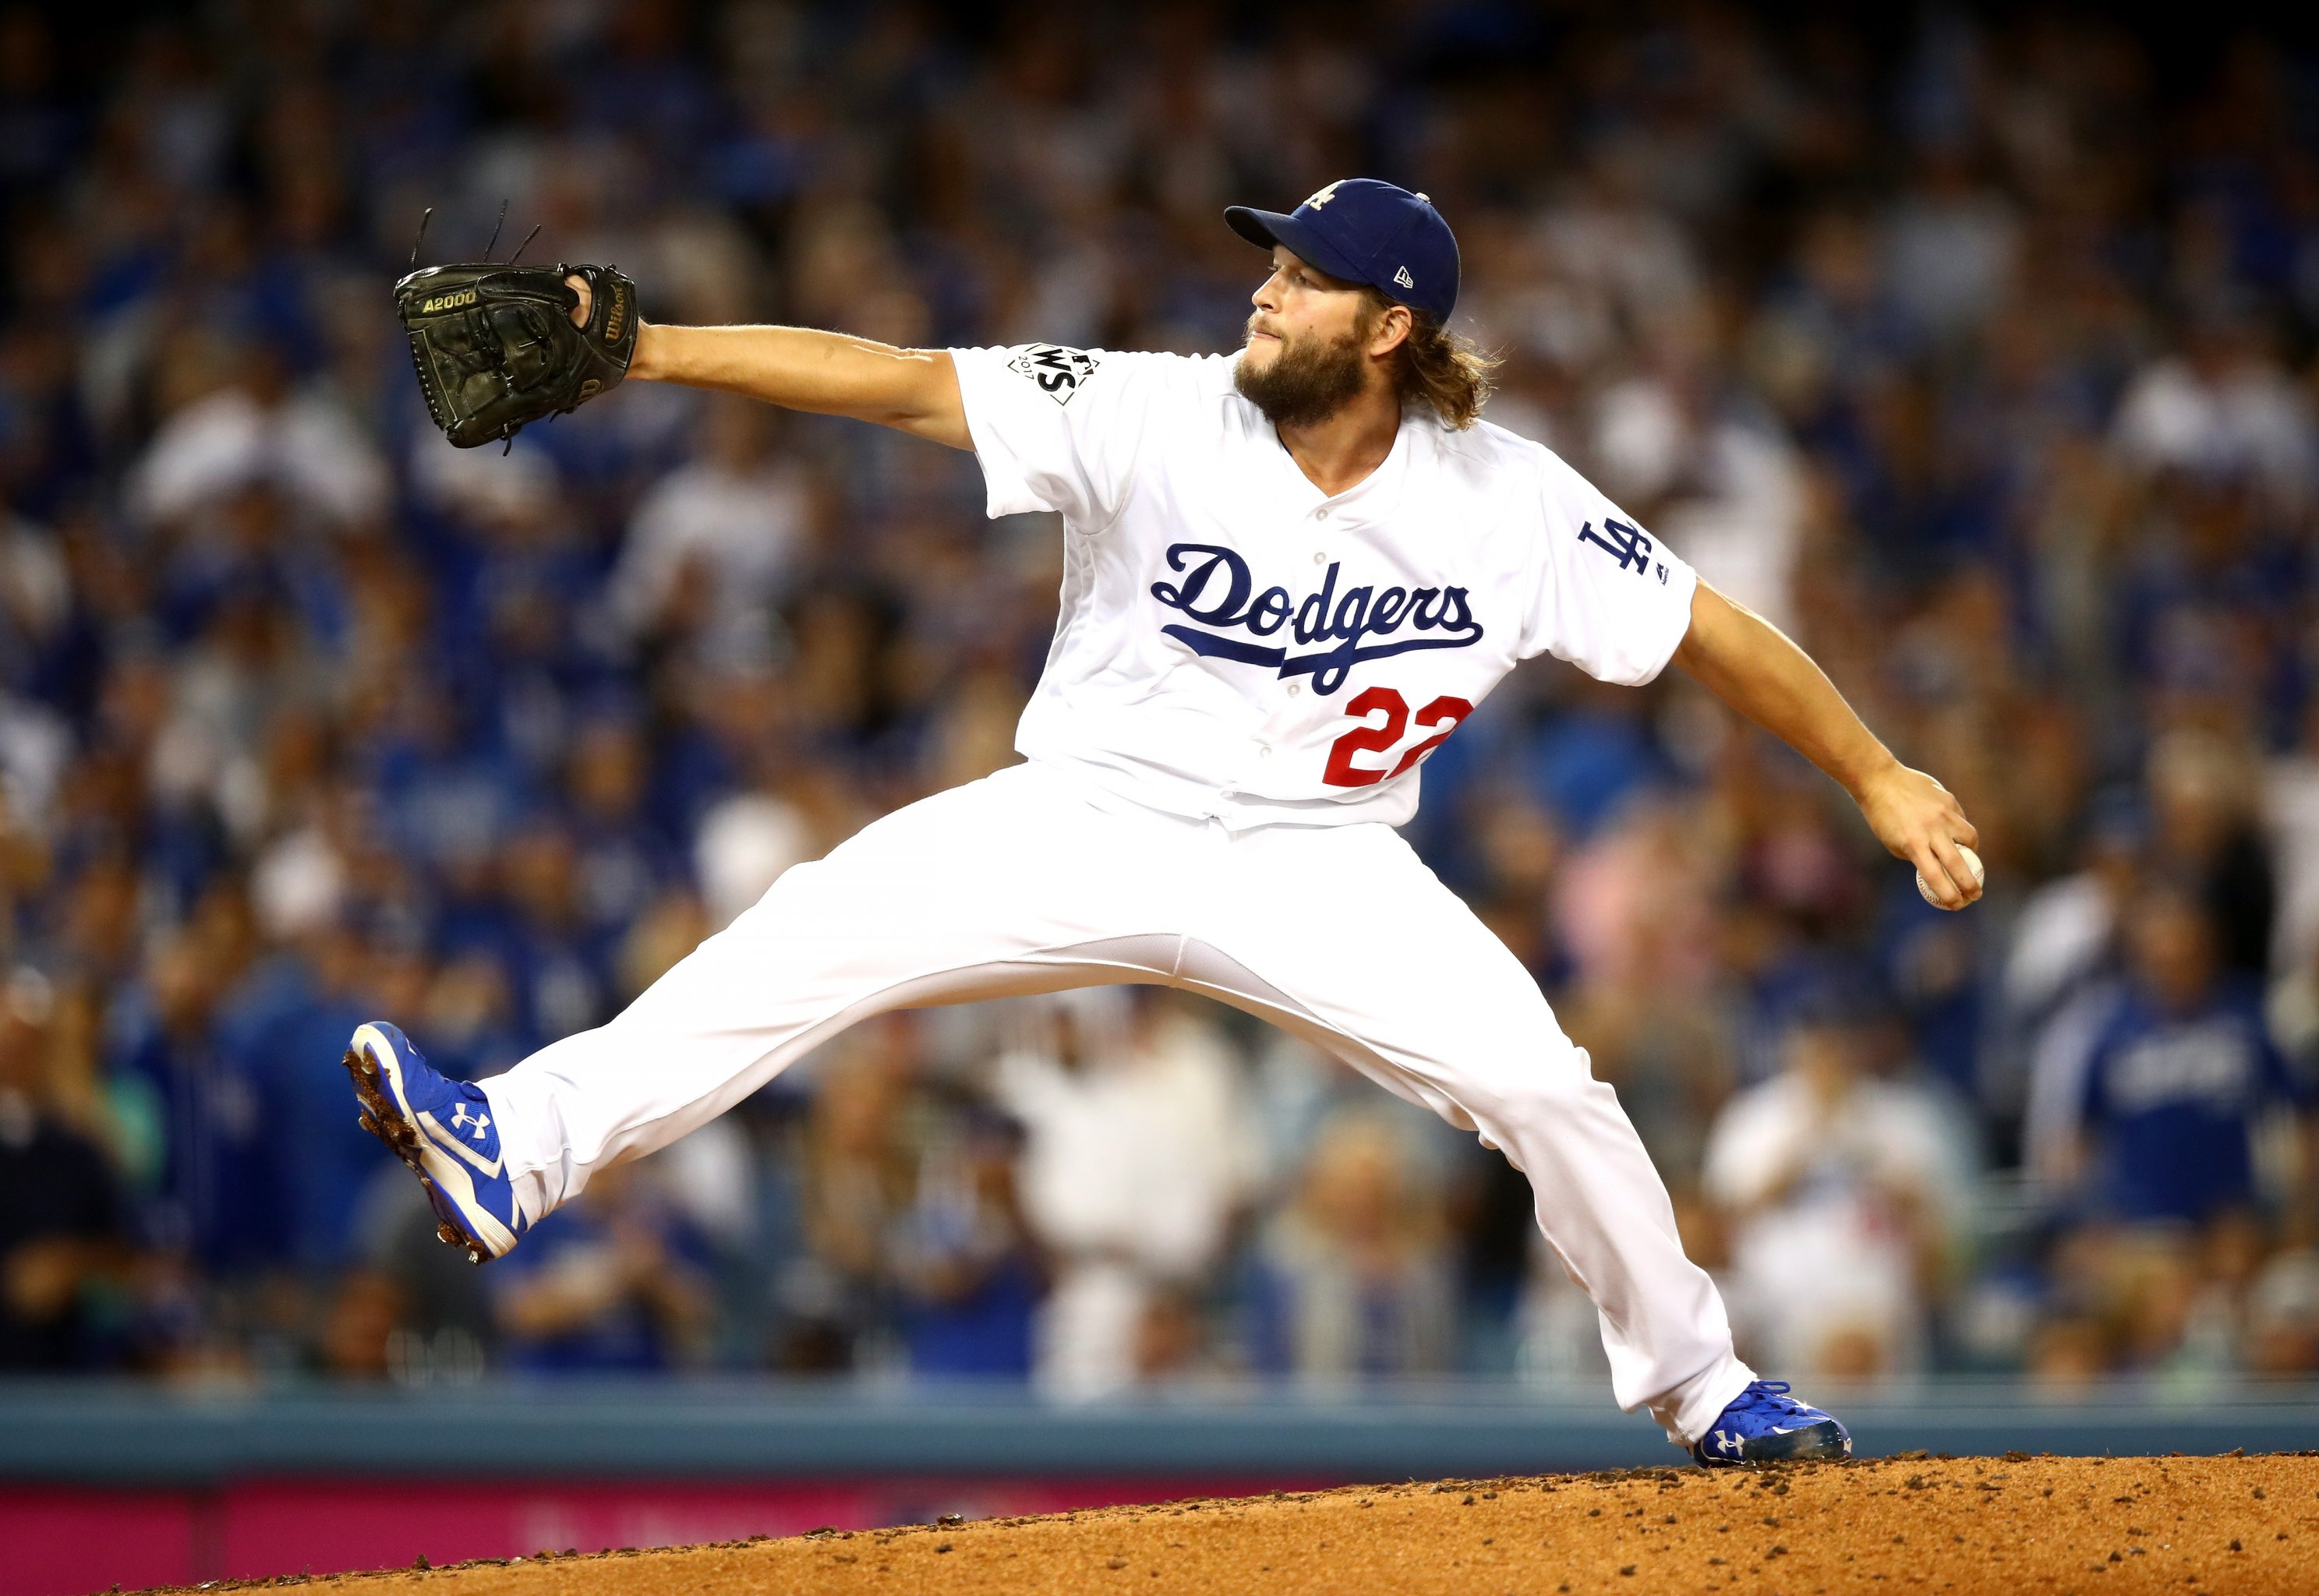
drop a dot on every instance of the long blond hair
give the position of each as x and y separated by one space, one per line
1446 372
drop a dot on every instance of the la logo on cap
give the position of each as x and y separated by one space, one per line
1321 196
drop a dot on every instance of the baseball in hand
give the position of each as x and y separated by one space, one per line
1971 862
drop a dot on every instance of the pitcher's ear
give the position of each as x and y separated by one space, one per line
1393 326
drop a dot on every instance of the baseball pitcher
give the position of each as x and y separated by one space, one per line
1289 574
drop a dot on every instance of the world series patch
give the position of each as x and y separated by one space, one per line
1057 370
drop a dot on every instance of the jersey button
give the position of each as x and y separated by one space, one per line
1319 558
1293 689
1321 514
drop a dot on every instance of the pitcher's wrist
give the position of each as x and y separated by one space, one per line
645 365
1875 767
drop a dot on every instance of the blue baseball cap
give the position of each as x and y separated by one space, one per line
1360 229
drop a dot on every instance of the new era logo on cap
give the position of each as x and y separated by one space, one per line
1360 229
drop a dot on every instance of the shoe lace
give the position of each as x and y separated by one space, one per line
1770 1396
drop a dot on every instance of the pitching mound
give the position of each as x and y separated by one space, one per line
2013 1524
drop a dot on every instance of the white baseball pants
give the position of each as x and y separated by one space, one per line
1031 881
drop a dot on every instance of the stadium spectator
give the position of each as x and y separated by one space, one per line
253 432
407 1307
2283 1315
278 1021
623 859
715 542
2181 1076
63 1226
622 1289
854 1170
1351 1283
1853 1180
215 1199
1136 1159
968 1280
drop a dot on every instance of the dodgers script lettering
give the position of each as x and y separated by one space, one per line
1218 591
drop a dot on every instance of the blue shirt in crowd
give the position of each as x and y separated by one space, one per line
2173 1100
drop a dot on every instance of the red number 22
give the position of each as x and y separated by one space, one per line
1444 712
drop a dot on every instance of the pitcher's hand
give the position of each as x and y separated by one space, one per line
1921 822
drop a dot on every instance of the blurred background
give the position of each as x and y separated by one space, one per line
1975 346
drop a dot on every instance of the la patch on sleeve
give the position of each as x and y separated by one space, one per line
1057 370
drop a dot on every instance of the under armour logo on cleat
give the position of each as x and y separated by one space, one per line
461 1119
1727 1443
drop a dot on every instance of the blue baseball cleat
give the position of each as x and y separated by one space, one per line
1764 1424
443 1130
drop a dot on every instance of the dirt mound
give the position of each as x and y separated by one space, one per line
1933 1524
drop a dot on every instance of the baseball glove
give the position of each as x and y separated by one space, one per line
496 349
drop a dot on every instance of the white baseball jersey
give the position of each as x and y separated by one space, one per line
1236 645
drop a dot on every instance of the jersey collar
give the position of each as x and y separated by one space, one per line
1371 499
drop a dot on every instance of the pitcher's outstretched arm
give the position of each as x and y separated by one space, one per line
1759 670
802 368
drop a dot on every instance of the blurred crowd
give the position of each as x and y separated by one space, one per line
1976 347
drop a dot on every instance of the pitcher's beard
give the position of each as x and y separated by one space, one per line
1308 381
